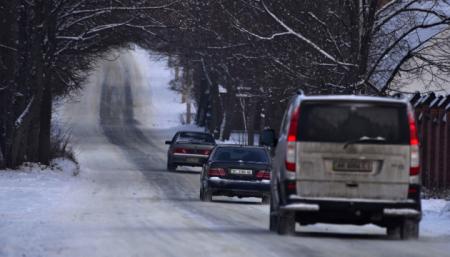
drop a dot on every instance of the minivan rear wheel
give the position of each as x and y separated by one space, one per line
405 229
409 229
285 223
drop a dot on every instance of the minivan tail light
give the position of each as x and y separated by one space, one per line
291 188
291 150
293 126
414 146
216 172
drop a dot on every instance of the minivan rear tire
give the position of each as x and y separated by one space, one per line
285 223
407 229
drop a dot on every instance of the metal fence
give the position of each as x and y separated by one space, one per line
433 117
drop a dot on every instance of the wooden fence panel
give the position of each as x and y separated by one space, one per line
433 118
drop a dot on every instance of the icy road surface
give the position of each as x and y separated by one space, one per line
124 202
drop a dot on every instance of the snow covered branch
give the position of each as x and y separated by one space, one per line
8 47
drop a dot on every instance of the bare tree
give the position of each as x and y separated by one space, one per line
51 44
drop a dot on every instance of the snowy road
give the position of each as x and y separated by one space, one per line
124 202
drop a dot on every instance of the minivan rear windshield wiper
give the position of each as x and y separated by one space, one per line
365 139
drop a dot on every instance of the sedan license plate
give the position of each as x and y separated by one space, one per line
192 160
241 172
352 165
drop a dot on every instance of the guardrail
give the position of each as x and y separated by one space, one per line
433 121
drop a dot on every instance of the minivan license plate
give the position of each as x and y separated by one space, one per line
241 172
352 165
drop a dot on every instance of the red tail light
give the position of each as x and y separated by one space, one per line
414 144
205 152
291 141
216 172
181 150
263 174
293 126
291 188
412 190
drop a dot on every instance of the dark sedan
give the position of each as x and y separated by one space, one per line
189 148
232 170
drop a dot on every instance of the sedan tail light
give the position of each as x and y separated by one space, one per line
263 174
205 152
181 150
216 172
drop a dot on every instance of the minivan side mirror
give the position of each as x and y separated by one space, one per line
168 142
268 138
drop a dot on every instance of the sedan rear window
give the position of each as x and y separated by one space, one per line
231 154
192 137
341 122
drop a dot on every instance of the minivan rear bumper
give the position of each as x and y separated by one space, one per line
353 211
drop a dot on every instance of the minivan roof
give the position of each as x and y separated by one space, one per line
352 98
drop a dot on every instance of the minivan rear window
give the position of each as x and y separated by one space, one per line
340 122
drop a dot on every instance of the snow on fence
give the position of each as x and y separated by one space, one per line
433 117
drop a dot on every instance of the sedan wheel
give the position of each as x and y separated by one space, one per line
171 166
207 195
202 197
273 221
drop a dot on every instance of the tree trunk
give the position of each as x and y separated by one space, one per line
2 160
45 128
251 119
39 26
47 99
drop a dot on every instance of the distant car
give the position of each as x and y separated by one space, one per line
347 160
234 170
189 148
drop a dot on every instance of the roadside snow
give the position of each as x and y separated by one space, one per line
33 187
59 167
436 217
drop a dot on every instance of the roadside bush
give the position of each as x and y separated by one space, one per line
60 147
434 193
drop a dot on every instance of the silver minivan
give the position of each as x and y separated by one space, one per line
347 160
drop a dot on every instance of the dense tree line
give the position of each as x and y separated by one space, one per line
263 51
46 49
241 60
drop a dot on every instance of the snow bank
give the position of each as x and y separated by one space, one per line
58 166
436 217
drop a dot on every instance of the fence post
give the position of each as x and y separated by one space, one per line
446 151
427 139
435 142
